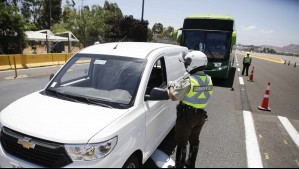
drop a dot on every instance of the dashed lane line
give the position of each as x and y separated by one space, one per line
241 81
290 129
254 158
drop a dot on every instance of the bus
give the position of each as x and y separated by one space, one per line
215 36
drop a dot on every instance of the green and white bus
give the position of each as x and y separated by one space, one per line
215 36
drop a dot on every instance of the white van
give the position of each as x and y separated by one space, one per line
106 107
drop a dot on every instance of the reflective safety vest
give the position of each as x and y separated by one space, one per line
247 59
200 92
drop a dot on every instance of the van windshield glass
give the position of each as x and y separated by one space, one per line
97 79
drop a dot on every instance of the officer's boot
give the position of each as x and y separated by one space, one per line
192 156
180 157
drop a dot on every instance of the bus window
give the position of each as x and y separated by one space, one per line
216 45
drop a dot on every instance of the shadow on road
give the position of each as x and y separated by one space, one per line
229 83
167 146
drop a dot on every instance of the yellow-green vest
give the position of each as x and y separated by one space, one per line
200 92
247 59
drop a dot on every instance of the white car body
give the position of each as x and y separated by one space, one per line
139 129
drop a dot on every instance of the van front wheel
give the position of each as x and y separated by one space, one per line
132 162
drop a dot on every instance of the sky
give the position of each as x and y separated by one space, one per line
257 22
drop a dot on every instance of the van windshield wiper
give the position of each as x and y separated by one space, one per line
80 99
98 102
66 97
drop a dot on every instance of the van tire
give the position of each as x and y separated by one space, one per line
132 162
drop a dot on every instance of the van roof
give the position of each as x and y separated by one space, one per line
127 49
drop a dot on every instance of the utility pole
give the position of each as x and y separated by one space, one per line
142 10
50 14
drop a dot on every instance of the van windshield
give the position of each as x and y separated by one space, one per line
110 81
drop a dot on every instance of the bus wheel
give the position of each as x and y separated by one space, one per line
132 162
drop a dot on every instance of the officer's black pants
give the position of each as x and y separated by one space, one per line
245 67
189 129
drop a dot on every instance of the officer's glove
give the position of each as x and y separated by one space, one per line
171 84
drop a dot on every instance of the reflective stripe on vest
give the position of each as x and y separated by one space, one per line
200 92
247 60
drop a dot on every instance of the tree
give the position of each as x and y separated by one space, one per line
157 29
12 29
167 32
44 22
134 29
149 35
112 18
32 11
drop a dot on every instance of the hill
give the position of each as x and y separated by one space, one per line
292 48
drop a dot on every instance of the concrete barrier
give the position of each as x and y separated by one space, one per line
18 60
5 62
59 59
33 60
39 60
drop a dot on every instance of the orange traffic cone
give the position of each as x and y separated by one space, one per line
265 103
251 75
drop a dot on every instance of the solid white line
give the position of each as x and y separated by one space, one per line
290 129
239 70
254 159
241 80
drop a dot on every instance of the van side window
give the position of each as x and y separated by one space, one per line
158 76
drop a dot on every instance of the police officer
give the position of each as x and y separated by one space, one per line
246 63
193 92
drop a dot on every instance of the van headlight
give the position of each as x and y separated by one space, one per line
89 152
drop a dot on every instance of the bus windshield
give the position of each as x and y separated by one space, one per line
216 45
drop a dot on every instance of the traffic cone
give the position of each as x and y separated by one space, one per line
251 75
265 103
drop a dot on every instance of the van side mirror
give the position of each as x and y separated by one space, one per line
157 94
51 77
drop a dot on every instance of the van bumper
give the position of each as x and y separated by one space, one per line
111 161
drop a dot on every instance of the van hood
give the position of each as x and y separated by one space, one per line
57 120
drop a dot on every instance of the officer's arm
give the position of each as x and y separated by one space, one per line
171 96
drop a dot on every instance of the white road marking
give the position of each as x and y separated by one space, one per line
254 159
238 65
239 70
290 129
241 80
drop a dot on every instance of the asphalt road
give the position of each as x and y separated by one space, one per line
223 140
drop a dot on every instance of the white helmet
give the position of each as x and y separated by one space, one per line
195 60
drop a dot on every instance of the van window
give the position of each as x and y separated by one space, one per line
158 77
110 81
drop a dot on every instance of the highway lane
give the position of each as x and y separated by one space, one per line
223 136
277 148
222 139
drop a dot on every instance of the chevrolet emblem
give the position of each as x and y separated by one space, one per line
25 142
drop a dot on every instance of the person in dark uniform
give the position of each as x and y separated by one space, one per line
246 63
193 91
